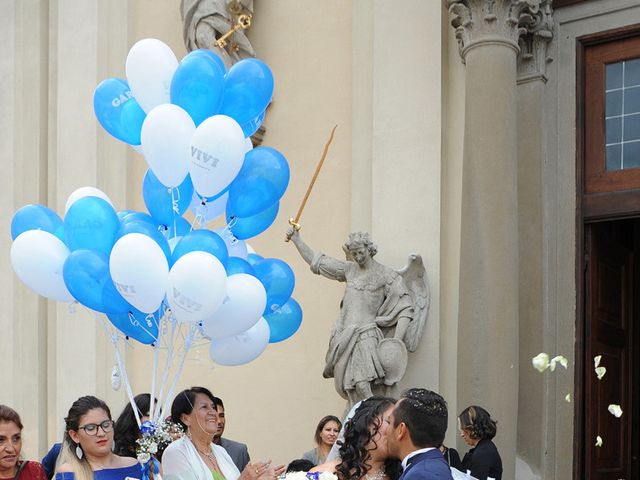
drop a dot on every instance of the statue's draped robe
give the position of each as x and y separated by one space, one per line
374 299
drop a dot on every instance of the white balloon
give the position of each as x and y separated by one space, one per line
86 192
242 348
37 258
197 286
248 145
216 154
150 67
166 134
139 270
210 210
242 307
235 247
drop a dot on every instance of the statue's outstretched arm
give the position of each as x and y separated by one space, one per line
306 252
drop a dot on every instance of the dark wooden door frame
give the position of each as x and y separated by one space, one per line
581 221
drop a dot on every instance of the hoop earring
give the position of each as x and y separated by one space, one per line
79 452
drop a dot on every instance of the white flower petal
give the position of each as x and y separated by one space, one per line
600 371
567 398
596 361
615 410
598 441
540 362
561 360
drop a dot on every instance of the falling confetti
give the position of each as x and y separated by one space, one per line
540 362
567 398
596 361
615 410
598 441
558 359
600 371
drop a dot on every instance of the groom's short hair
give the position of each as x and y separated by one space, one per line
425 414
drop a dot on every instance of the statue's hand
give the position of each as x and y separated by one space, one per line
292 234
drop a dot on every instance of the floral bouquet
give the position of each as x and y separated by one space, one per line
309 476
155 437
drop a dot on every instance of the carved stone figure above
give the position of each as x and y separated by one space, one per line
382 315
205 21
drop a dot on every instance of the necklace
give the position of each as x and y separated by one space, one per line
379 475
208 455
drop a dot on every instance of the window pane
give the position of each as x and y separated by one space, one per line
614 75
631 99
614 103
631 155
614 130
632 72
631 127
614 161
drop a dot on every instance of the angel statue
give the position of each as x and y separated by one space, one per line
382 315
205 21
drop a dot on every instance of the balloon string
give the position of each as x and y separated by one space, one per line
165 372
113 336
156 351
187 346
201 213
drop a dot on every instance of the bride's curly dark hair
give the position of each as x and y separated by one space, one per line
358 433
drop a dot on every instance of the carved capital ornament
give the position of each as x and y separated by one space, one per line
497 22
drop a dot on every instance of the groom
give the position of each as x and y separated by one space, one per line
415 430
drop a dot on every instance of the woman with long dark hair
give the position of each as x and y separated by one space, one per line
326 434
363 452
126 431
12 466
87 445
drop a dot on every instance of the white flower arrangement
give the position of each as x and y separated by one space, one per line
309 476
154 437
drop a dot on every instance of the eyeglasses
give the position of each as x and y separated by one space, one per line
92 428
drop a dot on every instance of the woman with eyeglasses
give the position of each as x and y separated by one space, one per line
11 466
87 445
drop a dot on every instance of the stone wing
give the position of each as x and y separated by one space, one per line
415 279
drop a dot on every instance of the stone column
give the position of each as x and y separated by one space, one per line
488 33
535 445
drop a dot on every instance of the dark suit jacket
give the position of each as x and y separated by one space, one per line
237 451
429 465
483 461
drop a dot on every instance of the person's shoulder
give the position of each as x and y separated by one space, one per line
326 467
64 468
124 462
225 442
34 470
486 447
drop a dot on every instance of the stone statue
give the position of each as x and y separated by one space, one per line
382 315
204 21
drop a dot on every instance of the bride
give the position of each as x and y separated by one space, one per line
363 452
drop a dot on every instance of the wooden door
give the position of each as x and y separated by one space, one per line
611 303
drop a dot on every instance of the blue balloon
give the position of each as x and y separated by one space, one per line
213 56
239 265
123 213
198 86
179 227
137 223
91 223
285 321
204 241
253 125
117 110
140 326
86 275
159 198
254 258
248 88
36 217
261 182
132 217
247 227
278 280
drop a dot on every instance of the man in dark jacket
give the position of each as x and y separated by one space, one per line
236 450
415 431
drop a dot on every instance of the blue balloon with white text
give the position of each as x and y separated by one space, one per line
135 324
91 223
117 110
164 203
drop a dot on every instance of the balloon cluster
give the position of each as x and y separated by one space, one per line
192 121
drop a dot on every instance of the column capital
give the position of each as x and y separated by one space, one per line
533 57
498 22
